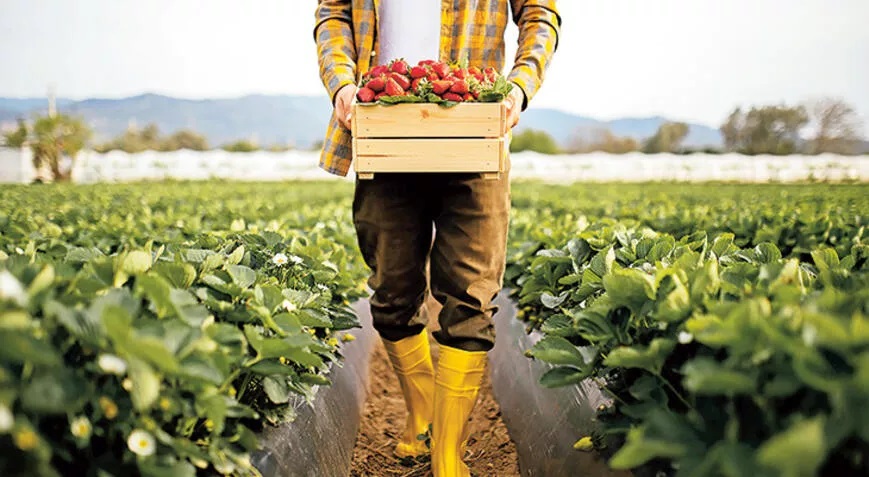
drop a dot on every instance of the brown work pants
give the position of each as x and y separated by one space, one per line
396 216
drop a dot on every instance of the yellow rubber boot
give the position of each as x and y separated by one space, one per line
457 384
411 360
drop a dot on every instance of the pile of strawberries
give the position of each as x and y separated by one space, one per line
430 81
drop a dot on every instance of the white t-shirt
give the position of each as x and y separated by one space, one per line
409 29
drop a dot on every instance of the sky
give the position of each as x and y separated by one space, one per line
692 60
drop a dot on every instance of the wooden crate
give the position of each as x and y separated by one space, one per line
421 137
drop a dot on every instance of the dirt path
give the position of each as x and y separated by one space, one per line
491 450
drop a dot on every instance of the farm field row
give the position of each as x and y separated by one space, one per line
728 324
154 329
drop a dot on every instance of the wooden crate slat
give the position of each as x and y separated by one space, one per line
428 155
429 120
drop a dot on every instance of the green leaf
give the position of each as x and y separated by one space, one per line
553 302
639 449
827 260
704 376
43 280
798 451
316 379
389 100
663 247
146 385
723 244
277 389
179 275
21 347
272 367
55 391
136 262
153 351
82 255
156 290
268 348
650 358
767 252
676 306
242 276
602 262
557 350
181 468
558 325
236 256
707 282
630 287
303 357
202 368
563 376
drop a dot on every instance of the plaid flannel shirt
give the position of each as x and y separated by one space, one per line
346 37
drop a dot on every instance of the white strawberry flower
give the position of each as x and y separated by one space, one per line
11 289
685 337
280 259
296 259
7 420
289 306
19 250
112 364
81 427
141 443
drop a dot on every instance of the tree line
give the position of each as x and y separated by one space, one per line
57 139
832 126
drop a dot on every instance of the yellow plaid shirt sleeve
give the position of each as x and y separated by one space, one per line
345 33
336 52
539 25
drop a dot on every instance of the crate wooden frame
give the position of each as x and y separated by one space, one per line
425 137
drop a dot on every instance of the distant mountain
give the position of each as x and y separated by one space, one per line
562 126
299 120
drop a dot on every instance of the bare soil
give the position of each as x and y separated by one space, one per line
491 451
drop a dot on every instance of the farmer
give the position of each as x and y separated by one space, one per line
395 214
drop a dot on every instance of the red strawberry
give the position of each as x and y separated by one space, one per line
460 73
378 71
427 62
418 72
441 86
377 84
491 73
366 95
432 77
393 88
468 97
402 80
399 66
379 95
415 85
474 71
442 69
460 87
453 97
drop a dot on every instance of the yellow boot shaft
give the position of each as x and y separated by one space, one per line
411 360
457 383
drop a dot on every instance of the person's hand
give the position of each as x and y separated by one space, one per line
514 103
344 101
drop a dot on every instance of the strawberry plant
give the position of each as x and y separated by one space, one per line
154 329
738 352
